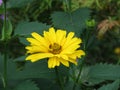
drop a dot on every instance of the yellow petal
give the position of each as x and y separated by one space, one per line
57 62
50 36
40 39
76 54
52 62
64 62
79 53
70 49
37 36
73 61
36 49
64 57
38 56
60 36
61 56
69 37
74 41
33 41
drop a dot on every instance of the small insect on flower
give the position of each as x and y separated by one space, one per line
59 47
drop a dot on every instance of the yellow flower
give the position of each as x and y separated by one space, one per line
55 45
117 51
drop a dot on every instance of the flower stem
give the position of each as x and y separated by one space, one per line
59 78
77 79
98 4
5 15
5 48
68 5
81 66
5 69
118 60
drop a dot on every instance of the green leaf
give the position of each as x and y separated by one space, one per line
98 73
27 85
26 28
69 86
1 10
18 4
20 59
89 81
103 72
74 21
7 30
112 86
31 70
37 69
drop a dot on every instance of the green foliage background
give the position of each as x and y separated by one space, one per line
101 69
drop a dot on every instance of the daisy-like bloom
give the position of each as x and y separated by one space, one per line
59 47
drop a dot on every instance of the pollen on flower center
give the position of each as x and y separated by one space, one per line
55 48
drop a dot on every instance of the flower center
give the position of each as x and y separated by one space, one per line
55 48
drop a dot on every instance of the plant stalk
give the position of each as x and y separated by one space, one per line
118 60
59 78
5 48
77 79
80 70
5 69
68 5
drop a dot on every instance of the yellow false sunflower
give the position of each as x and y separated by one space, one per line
57 46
